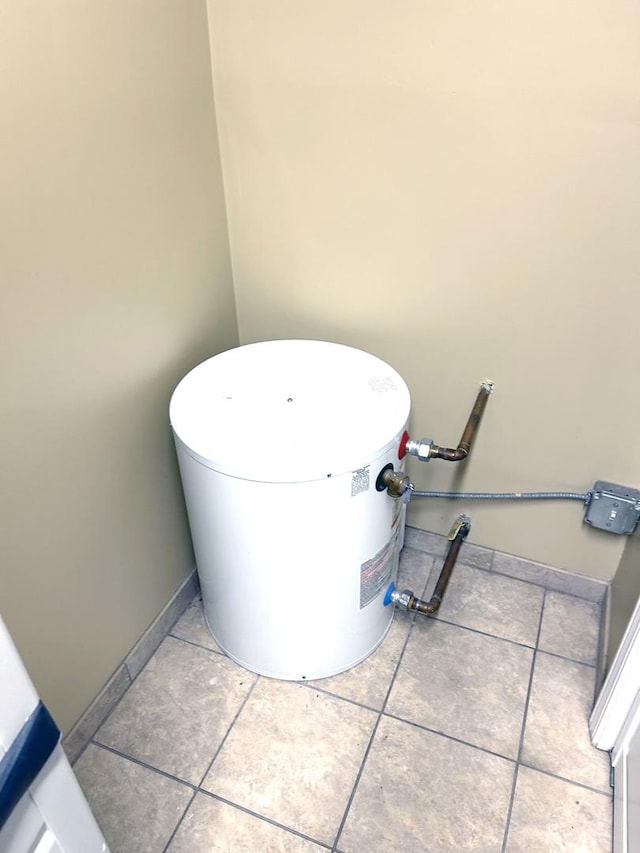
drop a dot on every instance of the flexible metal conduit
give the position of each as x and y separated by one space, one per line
585 497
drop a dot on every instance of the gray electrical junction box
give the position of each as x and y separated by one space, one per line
613 508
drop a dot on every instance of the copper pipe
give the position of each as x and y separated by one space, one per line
457 454
457 535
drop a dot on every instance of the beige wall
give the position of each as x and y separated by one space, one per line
454 187
115 280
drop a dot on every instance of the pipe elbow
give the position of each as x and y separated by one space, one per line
450 454
425 449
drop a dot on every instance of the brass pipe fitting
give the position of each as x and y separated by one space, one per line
396 482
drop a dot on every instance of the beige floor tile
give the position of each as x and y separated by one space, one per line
463 684
414 570
293 756
177 712
369 682
570 627
496 604
550 815
557 733
192 627
420 791
136 808
211 826
294 751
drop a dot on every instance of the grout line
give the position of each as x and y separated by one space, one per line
263 818
564 657
231 725
144 764
217 651
427 569
433 572
133 681
179 823
512 797
531 646
197 788
356 783
436 618
157 770
566 779
524 725
313 685
453 738
492 560
371 739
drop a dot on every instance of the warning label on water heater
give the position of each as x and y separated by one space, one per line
360 481
376 573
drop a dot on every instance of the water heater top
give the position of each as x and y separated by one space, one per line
289 411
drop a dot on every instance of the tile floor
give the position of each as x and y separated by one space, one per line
462 732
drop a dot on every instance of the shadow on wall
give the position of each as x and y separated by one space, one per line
623 597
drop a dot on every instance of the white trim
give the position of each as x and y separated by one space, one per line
622 795
619 690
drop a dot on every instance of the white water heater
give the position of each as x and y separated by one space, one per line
280 446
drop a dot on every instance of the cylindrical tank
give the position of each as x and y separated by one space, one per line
280 445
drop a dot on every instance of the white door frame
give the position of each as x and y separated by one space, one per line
621 687
615 721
